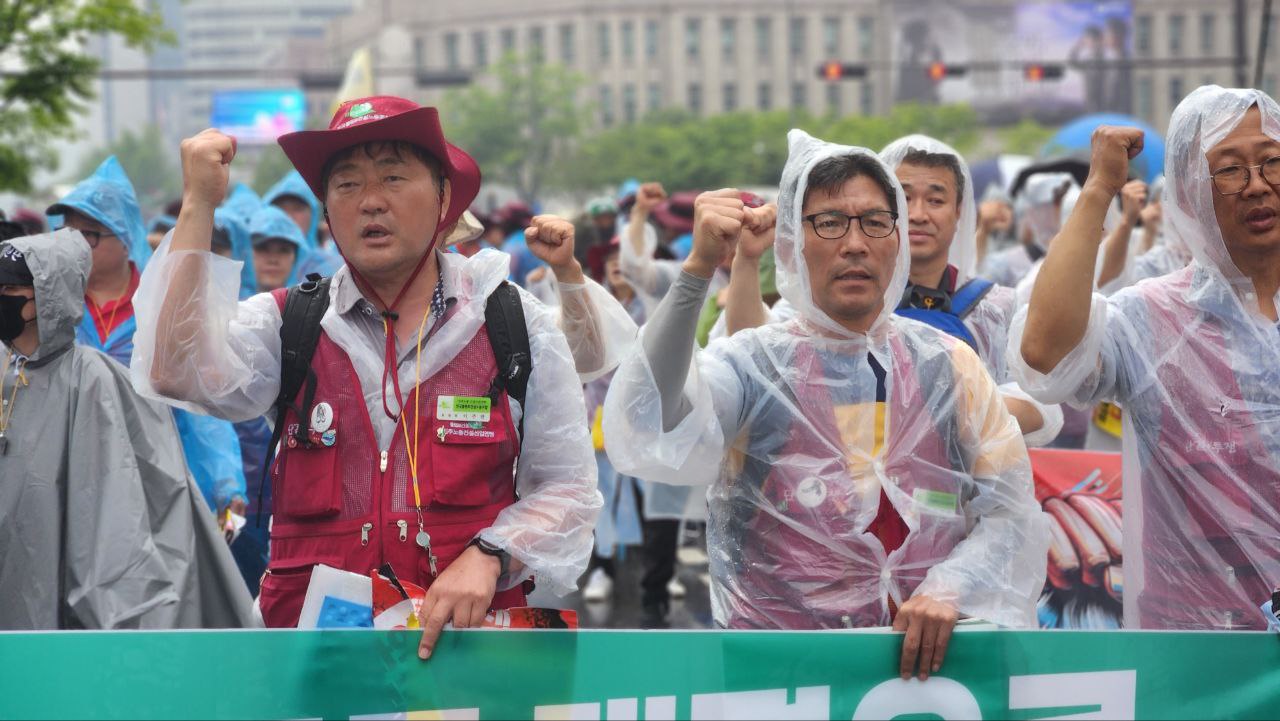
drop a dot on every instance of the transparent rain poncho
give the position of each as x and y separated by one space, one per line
1196 367
783 423
228 365
1037 218
989 320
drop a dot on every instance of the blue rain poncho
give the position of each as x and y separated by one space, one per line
324 261
108 197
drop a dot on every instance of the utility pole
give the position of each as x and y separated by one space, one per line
1264 35
1242 19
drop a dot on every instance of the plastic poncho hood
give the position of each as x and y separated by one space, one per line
964 245
805 152
241 249
108 197
59 263
293 186
1038 203
1201 121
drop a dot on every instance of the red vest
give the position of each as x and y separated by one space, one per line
351 506
807 564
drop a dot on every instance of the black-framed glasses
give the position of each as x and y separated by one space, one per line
833 225
1233 179
93 237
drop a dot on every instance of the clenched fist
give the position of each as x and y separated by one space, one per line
1133 196
1112 149
757 239
648 197
550 239
206 168
719 218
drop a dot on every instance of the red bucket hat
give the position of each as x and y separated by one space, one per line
385 118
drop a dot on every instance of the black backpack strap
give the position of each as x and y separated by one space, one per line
509 337
304 307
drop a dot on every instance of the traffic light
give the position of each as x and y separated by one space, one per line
1037 72
834 70
938 71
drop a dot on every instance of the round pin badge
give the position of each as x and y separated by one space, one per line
329 437
321 417
811 493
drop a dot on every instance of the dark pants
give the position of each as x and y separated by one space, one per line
661 539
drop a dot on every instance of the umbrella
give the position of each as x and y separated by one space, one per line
1073 140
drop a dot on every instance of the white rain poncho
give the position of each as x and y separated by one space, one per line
599 330
102 526
650 277
988 321
802 428
230 367
1196 367
1037 216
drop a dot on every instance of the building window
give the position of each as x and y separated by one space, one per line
867 98
1175 92
508 40
866 37
480 48
831 36
764 38
1142 36
833 98
568 49
1143 104
651 40
1208 32
1177 24
796 41
728 38
692 38
606 105
602 33
694 100
451 60
730 97
764 97
536 44
628 40
799 95
628 103
655 97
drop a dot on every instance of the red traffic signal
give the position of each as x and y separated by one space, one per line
1037 72
938 71
833 70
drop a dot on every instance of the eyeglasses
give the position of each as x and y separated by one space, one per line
1233 179
834 225
93 237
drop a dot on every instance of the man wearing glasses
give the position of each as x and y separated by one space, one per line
863 468
1193 357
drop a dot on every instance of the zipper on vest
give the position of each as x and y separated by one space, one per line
364 533
382 464
403 525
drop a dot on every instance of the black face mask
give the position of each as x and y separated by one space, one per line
11 321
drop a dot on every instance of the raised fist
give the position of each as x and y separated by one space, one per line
758 234
206 168
550 239
648 197
1112 149
1133 196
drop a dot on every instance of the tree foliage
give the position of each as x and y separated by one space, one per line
47 76
148 161
518 120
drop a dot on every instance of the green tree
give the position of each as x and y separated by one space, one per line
48 77
1025 138
149 162
518 120
272 165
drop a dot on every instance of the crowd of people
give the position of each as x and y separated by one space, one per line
841 383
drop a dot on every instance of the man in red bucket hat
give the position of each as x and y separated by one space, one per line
405 387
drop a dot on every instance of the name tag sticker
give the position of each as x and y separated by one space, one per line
938 503
463 408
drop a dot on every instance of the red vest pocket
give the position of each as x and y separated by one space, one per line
284 588
308 482
470 463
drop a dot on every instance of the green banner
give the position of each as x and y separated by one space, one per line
634 675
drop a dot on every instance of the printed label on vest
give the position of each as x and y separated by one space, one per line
937 503
463 408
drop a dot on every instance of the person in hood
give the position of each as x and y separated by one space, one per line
241 201
278 247
157 228
104 208
1192 357
1037 209
292 196
408 455
104 528
863 468
597 227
